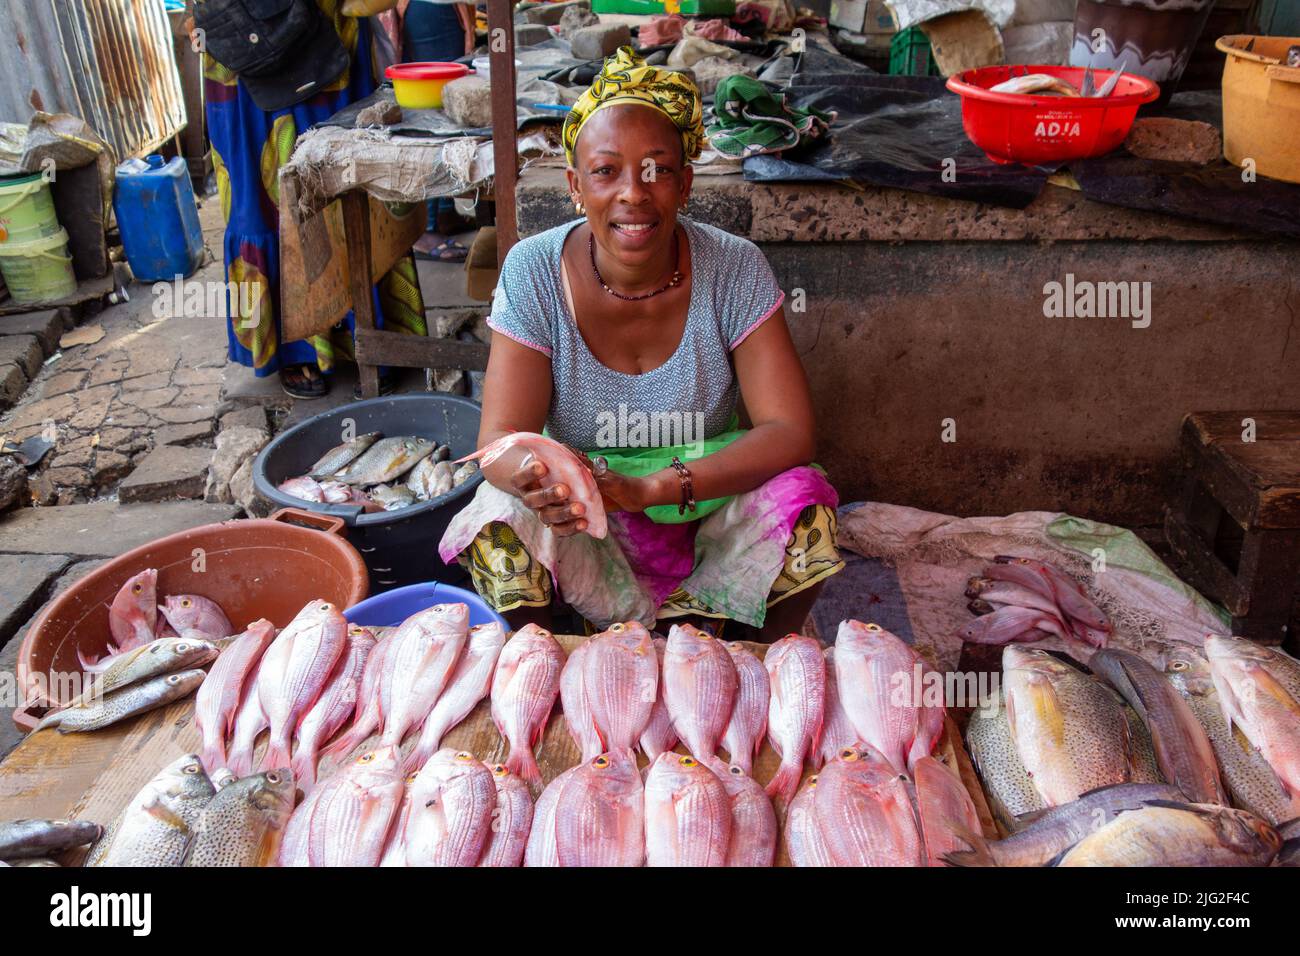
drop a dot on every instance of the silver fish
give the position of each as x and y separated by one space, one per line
1010 790
1045 835
1172 834
127 702
340 456
386 460
24 839
158 657
392 497
157 825
464 473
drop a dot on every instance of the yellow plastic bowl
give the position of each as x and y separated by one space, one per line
1261 105
418 86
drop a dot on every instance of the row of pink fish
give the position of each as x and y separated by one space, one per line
454 811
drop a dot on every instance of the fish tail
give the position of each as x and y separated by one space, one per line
213 756
523 764
784 782
979 853
355 735
304 766
277 754
49 720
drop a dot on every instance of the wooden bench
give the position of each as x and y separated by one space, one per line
1235 527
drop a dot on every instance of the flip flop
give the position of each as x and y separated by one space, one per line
303 381
449 251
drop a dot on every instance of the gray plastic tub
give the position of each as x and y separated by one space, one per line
400 547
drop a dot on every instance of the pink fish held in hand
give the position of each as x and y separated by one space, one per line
524 688
700 683
797 673
562 467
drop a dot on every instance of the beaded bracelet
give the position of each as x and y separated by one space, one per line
688 486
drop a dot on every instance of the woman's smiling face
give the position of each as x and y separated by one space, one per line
630 174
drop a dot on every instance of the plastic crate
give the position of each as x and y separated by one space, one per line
910 54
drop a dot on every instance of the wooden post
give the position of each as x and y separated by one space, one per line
356 232
505 131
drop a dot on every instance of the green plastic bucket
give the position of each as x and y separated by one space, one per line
39 270
26 209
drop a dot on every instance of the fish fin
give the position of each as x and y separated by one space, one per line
979 853
784 782
165 815
522 763
1032 816
1172 805
1056 860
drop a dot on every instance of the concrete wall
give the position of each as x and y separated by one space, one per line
1071 414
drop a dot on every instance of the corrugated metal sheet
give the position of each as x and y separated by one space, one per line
107 61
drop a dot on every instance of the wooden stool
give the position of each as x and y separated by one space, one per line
1251 563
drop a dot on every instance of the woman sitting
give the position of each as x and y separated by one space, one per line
630 334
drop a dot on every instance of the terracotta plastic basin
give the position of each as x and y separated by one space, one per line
267 567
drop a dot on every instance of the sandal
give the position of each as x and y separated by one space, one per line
449 251
303 381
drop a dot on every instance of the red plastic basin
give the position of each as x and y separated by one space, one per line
265 567
1036 130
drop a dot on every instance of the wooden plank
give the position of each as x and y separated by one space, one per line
315 281
356 227
1200 567
1226 426
93 776
1258 482
377 347
505 129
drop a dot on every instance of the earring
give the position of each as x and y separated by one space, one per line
578 207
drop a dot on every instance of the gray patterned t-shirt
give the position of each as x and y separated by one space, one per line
733 291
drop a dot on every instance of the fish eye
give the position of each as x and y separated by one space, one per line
500 770
601 762
186 602
365 758
464 755
137 588
848 754
812 781
735 771
687 761
191 768
617 628
874 628
272 777
1178 666
410 777
174 679
326 606
182 648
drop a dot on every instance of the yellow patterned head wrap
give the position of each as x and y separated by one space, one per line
625 78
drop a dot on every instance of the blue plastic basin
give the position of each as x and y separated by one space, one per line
393 607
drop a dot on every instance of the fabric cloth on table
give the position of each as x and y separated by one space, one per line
248 148
752 118
761 547
933 555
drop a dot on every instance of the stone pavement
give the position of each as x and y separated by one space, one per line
145 424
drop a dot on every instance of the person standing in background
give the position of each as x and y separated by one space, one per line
249 145
435 31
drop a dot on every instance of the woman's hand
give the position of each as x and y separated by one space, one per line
624 493
553 507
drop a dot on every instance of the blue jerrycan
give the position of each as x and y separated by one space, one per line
158 219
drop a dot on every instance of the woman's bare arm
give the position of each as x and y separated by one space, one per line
516 398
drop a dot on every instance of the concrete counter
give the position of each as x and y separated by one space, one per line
924 319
